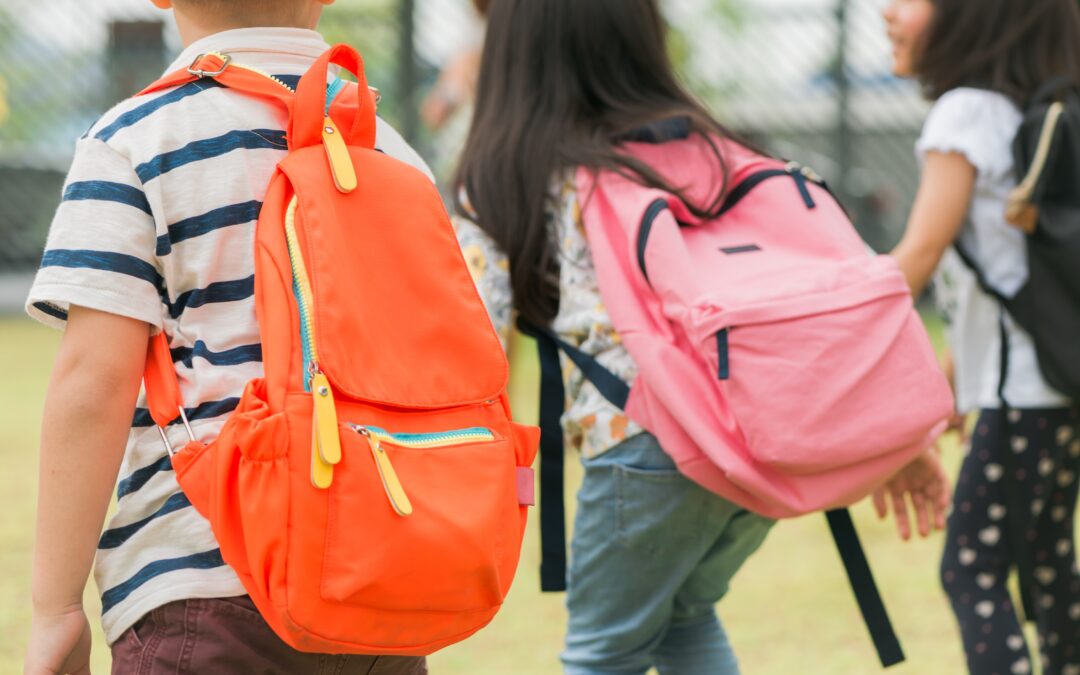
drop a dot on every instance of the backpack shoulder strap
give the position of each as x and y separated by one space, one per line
865 588
552 445
980 277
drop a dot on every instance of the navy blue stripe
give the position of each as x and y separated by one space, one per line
141 477
226 216
199 561
121 263
291 80
221 291
146 109
229 357
118 535
209 148
207 410
107 191
51 310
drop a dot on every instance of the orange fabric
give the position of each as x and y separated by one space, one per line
162 389
407 347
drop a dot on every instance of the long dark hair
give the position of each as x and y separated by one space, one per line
1010 46
560 81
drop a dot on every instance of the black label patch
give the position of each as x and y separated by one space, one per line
733 250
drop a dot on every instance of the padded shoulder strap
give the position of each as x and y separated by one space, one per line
220 67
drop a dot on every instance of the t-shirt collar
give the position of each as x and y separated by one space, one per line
280 49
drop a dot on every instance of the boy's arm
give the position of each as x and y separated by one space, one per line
87 418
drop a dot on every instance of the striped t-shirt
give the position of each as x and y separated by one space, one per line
157 223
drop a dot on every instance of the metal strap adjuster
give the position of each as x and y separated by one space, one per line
187 426
197 72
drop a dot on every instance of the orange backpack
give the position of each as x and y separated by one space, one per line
371 490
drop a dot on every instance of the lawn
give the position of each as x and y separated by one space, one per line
789 611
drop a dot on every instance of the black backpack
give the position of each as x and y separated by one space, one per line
1046 152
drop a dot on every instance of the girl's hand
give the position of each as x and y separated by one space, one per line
958 422
923 481
59 644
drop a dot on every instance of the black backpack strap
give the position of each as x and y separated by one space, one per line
980 278
606 382
553 509
866 591
552 455
1051 88
1012 497
552 446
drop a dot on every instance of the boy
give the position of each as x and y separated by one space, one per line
155 233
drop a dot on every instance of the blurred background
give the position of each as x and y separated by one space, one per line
808 79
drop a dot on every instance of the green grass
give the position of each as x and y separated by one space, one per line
789 611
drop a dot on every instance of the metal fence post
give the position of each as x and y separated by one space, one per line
843 136
407 70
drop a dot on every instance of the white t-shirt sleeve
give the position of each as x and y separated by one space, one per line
100 252
391 142
975 123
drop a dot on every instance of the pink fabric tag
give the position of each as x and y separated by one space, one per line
526 486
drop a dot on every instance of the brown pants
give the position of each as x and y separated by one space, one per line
227 636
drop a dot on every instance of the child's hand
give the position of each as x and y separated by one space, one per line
59 644
925 482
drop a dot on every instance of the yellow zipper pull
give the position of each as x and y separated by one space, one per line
337 152
322 474
398 499
325 421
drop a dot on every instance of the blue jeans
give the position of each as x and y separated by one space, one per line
652 553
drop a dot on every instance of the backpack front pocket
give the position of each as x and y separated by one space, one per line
815 389
416 521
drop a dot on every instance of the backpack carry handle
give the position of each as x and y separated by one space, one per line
308 113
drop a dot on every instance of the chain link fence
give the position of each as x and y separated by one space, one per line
806 78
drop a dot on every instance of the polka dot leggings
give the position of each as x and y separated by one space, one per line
1044 453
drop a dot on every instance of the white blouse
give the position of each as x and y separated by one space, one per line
981 126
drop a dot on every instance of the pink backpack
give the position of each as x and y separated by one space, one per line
780 364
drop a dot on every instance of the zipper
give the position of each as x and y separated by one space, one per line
723 358
439 439
801 174
377 437
233 64
325 440
337 152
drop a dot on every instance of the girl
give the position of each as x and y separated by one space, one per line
561 82
652 552
982 63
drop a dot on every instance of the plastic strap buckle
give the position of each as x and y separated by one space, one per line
165 437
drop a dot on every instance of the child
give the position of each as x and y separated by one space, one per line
981 63
561 82
156 233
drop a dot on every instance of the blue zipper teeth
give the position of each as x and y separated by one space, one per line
429 440
332 91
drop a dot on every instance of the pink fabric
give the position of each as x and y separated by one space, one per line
833 384
526 486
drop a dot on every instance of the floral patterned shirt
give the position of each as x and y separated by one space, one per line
590 423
